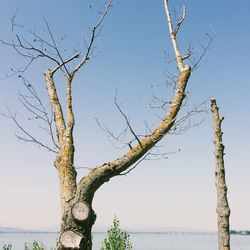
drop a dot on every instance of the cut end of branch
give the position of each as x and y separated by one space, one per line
80 211
213 103
71 240
187 68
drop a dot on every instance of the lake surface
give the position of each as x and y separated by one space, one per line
140 241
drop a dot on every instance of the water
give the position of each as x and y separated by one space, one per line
140 241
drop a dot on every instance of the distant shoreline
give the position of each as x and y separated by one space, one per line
23 231
243 232
104 232
129 232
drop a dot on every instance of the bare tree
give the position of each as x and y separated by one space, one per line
77 213
223 210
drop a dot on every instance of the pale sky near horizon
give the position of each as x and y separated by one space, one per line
129 57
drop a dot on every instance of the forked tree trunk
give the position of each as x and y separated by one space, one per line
76 208
77 213
76 198
223 210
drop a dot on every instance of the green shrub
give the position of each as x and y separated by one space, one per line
31 246
34 246
7 247
116 238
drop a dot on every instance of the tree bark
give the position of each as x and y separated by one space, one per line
78 216
223 210
76 227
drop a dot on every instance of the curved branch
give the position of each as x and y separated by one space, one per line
98 176
90 183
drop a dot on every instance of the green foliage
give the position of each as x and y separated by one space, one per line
116 238
34 246
30 246
7 247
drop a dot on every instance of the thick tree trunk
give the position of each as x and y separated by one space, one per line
78 216
76 227
223 210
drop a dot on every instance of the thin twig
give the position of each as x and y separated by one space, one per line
31 137
127 122
93 36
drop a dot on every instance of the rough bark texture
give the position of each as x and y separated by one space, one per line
76 198
223 210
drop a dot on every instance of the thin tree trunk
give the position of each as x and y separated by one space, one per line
223 210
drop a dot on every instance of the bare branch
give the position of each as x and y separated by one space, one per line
173 35
127 122
103 173
38 110
32 48
93 36
181 20
179 128
13 23
204 50
65 62
56 48
31 52
187 55
29 137
113 137
156 99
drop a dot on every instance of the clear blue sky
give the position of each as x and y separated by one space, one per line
129 56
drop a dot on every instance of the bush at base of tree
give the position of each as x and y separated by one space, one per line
29 246
116 238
